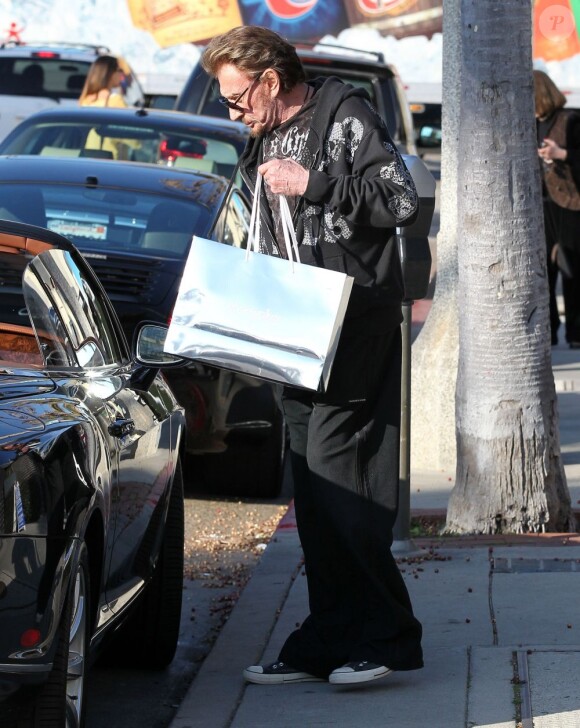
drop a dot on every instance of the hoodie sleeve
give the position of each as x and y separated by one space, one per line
361 174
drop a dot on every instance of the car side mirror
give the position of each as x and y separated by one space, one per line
430 136
149 343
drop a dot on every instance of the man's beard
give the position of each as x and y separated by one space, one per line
257 131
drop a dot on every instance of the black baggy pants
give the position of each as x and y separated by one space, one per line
344 449
563 227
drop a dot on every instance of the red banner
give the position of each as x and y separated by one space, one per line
398 18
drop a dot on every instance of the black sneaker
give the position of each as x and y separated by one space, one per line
276 674
358 672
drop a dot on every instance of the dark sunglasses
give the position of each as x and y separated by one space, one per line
234 103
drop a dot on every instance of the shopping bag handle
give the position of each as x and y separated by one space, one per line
288 230
254 229
287 226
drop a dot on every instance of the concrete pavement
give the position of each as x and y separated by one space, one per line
501 619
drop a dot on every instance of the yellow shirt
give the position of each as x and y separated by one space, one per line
117 147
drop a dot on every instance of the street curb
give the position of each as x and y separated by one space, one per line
210 701
437 516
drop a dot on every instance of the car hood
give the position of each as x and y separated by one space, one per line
14 386
19 415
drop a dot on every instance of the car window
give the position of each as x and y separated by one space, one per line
189 150
108 219
160 101
73 325
132 91
235 222
42 77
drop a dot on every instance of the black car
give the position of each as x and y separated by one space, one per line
368 70
134 224
91 491
143 135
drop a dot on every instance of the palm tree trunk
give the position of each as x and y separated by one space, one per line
510 476
435 351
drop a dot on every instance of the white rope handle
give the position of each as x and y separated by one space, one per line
286 221
289 232
254 229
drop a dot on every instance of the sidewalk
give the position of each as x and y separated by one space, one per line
501 619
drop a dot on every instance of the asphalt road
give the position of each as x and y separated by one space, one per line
224 538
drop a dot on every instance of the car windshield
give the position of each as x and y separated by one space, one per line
110 219
42 77
49 314
183 148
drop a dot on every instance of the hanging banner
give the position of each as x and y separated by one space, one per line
196 21
556 24
185 21
399 18
296 20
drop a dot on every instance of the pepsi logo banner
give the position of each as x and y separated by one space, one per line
290 9
196 21
296 19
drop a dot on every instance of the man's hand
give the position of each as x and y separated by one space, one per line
285 176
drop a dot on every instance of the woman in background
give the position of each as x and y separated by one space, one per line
559 152
104 75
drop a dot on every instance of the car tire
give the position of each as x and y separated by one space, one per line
61 702
149 636
249 468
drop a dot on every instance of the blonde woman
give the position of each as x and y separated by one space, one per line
104 75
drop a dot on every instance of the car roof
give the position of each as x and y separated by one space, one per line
78 51
353 58
177 120
16 169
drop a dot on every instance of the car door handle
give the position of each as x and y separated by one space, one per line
120 428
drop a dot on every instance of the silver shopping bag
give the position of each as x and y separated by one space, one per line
268 317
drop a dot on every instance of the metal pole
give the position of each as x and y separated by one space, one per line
401 530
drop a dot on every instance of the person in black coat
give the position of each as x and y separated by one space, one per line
559 152
323 146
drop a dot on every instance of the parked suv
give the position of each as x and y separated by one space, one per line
35 76
360 68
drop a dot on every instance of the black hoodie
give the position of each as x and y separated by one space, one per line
359 190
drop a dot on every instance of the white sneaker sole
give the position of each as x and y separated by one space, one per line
350 677
260 678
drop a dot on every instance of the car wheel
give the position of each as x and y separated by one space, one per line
149 636
62 701
250 467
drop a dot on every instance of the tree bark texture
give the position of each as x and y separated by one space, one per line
510 476
435 351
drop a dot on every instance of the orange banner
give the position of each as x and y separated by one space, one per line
555 29
184 21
